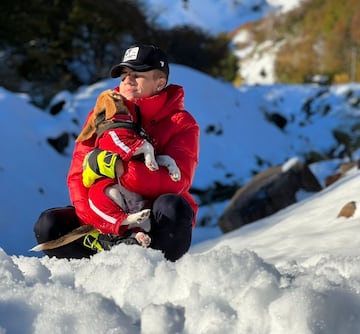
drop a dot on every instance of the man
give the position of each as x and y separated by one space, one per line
143 72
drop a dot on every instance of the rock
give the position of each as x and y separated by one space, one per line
343 169
267 193
348 210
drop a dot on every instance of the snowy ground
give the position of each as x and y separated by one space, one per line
294 272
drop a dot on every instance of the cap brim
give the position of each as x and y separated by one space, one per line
117 70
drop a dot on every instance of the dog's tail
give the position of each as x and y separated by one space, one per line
65 239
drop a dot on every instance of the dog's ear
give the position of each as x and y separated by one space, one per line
109 105
101 101
88 130
90 127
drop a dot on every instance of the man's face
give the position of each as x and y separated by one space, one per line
135 85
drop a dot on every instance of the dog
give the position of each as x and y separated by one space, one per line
108 105
111 118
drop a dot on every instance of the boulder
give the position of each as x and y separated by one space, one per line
342 171
267 193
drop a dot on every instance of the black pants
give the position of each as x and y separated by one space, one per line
171 228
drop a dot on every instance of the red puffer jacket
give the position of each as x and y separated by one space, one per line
173 131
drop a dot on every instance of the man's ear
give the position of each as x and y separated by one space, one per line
161 84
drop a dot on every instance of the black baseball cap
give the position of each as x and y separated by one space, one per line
142 58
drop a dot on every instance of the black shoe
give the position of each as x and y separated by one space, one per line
109 240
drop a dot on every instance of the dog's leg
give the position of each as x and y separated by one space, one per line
143 239
114 193
139 219
133 218
129 201
149 155
170 164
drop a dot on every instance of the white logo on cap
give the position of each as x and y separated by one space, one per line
162 63
131 54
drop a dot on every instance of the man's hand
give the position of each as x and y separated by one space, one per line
97 164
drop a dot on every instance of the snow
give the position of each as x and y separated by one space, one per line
296 271
284 5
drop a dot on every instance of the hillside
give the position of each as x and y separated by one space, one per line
316 39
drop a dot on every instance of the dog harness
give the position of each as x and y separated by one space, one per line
103 124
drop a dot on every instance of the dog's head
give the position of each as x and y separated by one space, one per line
108 102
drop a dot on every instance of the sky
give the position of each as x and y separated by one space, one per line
296 271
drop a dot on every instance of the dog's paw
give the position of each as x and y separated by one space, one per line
174 173
138 217
170 164
151 164
143 239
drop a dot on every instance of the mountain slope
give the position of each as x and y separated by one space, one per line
315 42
